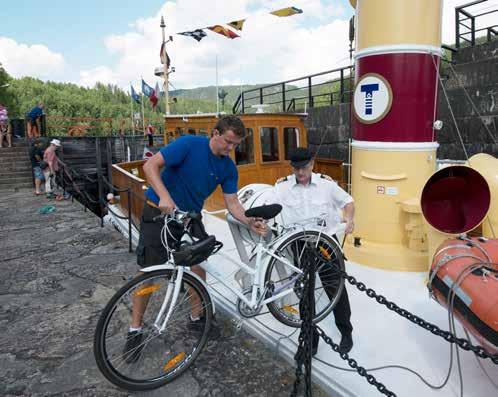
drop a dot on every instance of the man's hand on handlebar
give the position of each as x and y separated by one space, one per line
167 205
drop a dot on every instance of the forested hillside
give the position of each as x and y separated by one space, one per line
71 100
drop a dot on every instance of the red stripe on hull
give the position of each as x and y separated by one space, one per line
413 79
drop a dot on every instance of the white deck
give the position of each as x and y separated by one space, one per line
380 336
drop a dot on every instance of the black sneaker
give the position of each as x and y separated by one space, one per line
133 347
346 343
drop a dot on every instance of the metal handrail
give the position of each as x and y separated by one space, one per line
462 15
260 95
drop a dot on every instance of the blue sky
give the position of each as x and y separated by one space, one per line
75 29
118 41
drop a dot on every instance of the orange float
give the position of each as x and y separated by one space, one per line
464 276
464 272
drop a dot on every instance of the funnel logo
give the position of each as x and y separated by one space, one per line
372 98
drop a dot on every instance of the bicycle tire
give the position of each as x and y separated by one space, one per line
286 309
156 347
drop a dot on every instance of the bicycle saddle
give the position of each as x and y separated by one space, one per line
264 211
192 254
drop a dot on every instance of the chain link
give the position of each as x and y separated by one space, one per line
353 364
306 308
434 329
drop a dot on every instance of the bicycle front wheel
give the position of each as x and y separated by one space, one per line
329 283
154 358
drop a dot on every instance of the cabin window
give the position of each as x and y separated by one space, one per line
291 140
269 143
179 131
244 153
191 131
203 131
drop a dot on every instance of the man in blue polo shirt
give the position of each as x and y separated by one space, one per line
192 167
33 119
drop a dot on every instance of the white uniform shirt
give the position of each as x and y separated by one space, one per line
322 197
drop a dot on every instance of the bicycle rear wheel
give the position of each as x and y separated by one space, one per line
329 284
160 357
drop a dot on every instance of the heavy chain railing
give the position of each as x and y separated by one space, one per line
306 307
354 364
463 343
307 303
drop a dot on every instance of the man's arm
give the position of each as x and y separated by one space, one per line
349 217
152 169
235 208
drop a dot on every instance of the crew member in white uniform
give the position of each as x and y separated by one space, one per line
306 195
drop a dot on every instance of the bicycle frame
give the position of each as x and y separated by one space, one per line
258 290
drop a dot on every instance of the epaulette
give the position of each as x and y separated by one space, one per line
283 179
328 178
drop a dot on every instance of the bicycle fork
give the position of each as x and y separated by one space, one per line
172 293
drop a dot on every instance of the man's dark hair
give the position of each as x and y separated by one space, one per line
231 123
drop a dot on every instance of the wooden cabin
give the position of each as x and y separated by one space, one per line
262 157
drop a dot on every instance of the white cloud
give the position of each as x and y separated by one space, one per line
30 60
102 74
270 48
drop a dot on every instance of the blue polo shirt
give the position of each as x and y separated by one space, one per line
193 172
35 113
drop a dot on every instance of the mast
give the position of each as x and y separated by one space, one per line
165 56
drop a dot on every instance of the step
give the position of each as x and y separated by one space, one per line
7 158
15 174
15 167
5 155
14 149
15 180
16 186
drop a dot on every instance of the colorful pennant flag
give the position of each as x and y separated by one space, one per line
287 12
197 34
223 31
149 92
134 95
164 55
237 24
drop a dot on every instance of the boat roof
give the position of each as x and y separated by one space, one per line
242 115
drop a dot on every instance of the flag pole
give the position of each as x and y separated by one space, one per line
131 106
217 97
165 71
143 113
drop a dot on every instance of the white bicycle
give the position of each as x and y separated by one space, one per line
172 337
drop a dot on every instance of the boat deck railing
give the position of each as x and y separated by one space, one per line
330 87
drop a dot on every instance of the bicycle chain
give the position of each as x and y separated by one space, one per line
354 364
463 343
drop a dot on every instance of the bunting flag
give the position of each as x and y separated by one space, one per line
149 92
287 12
134 95
223 31
237 24
164 55
197 34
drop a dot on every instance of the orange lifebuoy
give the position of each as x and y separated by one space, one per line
467 269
